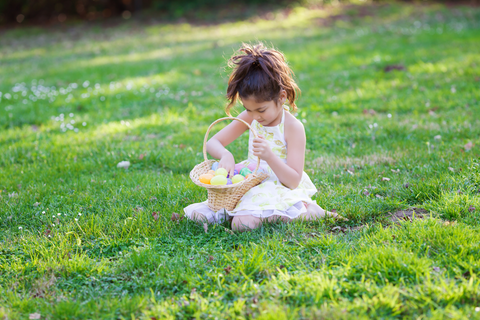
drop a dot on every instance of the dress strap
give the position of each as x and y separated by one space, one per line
283 115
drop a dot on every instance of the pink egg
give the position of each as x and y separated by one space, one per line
252 166
239 166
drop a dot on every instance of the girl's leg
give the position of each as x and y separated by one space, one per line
277 217
314 212
245 223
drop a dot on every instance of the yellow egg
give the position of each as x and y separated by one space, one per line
222 172
218 180
237 178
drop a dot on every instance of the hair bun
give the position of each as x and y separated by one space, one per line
260 72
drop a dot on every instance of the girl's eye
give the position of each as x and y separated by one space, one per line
261 111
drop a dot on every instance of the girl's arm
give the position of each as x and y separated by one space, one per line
290 173
216 145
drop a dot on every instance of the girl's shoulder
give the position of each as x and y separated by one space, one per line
293 126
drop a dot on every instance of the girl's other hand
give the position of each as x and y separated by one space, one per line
227 162
261 148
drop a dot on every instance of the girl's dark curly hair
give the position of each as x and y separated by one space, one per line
262 73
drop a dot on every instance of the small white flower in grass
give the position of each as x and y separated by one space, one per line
477 309
437 137
53 224
123 164
20 228
79 214
43 211
389 115
59 214
76 219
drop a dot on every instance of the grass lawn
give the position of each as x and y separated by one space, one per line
83 239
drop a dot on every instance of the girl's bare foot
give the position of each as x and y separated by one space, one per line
314 212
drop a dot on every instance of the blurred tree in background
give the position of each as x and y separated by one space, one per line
48 11
38 11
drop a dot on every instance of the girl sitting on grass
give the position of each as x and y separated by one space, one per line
263 82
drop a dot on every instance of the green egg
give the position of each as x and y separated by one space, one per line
245 171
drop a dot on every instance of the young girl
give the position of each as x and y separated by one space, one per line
263 82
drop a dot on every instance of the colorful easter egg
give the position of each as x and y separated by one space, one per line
260 170
215 166
245 171
252 166
205 178
218 180
211 172
235 172
238 178
229 181
239 166
221 172
248 176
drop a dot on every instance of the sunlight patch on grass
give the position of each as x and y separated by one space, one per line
468 63
334 162
23 54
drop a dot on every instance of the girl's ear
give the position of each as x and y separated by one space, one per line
282 96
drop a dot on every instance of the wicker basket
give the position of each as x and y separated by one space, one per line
225 196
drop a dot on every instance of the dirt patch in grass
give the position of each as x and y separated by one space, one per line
42 286
408 215
397 217
338 229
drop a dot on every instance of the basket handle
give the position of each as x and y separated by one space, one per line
222 119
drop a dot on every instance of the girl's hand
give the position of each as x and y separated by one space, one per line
227 162
261 148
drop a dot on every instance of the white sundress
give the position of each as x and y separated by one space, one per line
271 197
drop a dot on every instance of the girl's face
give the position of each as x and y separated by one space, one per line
267 113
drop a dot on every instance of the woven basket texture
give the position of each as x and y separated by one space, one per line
225 196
